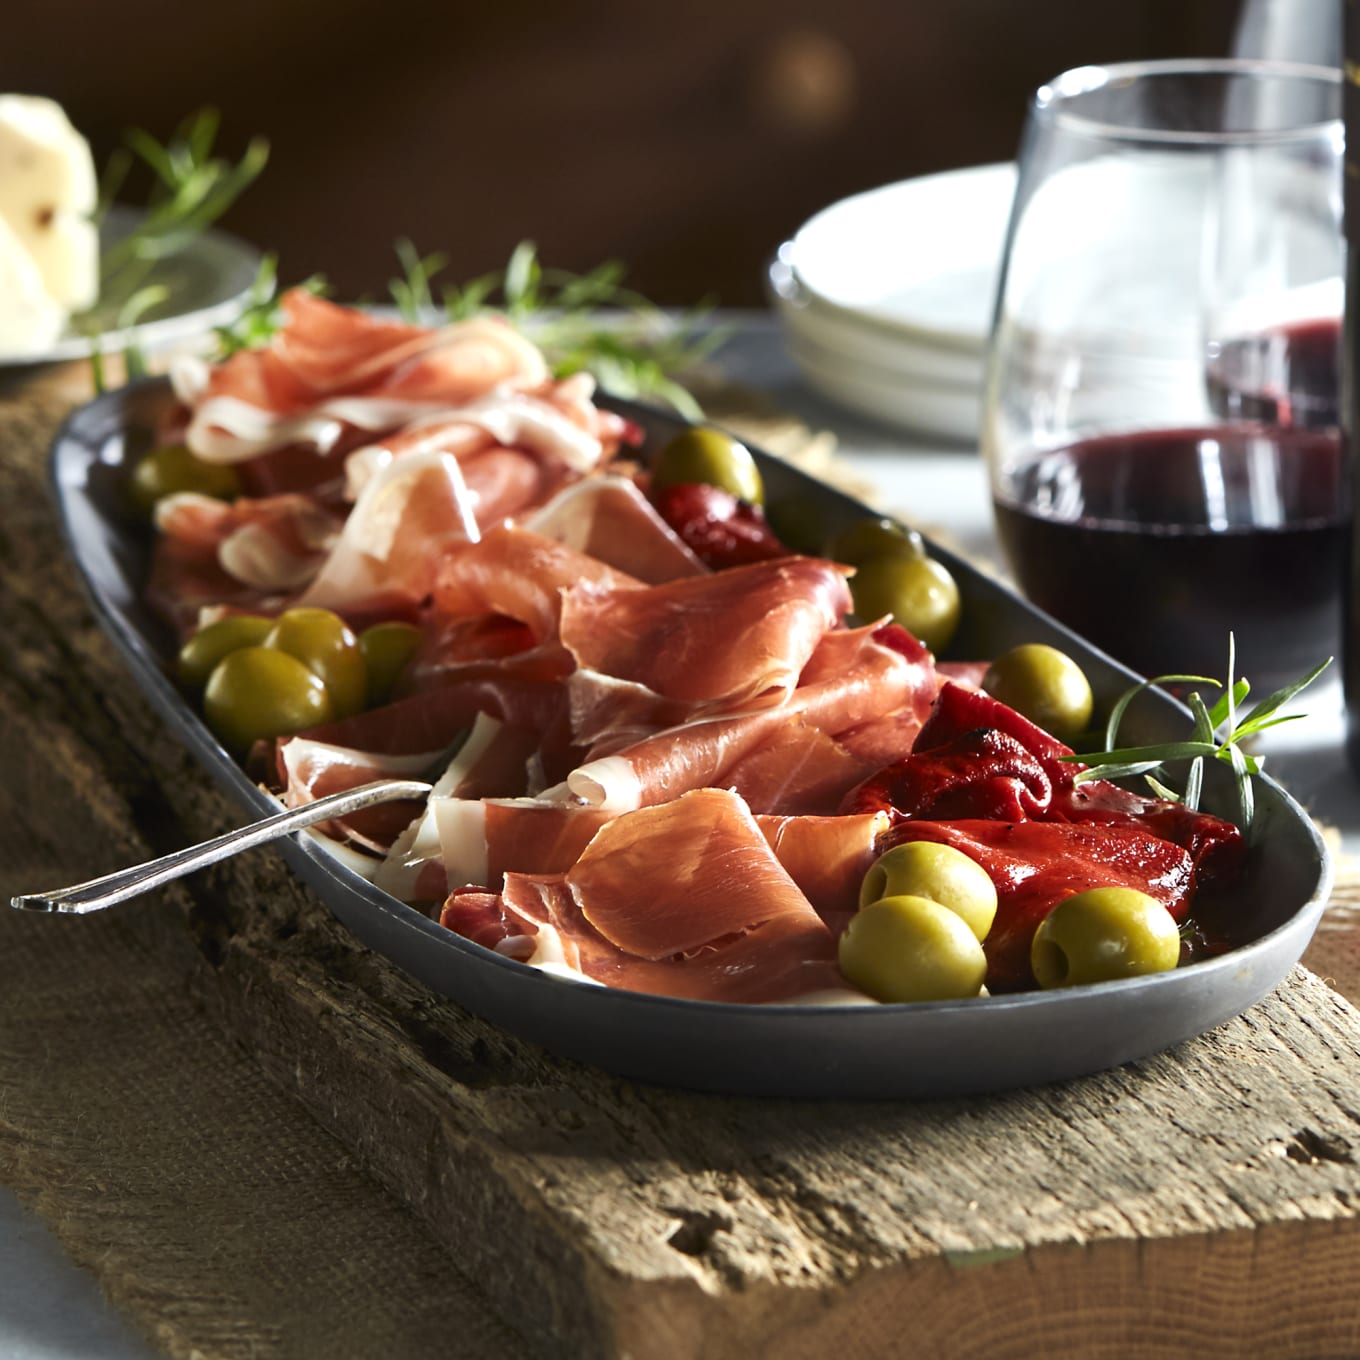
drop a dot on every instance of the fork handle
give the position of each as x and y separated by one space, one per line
110 889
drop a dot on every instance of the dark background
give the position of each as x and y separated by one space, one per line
687 139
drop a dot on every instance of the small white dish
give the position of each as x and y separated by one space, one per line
921 406
208 281
831 329
920 257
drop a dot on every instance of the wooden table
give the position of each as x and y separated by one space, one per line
1203 1201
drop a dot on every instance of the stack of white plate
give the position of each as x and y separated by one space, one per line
887 297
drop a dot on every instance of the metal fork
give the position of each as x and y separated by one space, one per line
110 889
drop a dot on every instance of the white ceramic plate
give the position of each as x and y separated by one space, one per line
919 257
861 342
921 406
208 282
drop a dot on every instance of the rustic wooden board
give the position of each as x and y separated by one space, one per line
1202 1200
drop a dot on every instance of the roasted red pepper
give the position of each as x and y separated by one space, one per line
719 529
987 780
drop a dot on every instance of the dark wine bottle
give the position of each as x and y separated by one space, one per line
1350 372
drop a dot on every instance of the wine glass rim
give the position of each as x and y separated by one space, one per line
1053 101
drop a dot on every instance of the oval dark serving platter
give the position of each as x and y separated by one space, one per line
865 1052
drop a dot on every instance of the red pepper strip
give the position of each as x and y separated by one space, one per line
975 757
719 529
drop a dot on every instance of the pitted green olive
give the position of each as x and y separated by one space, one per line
938 872
258 693
1103 934
917 591
911 949
172 468
201 653
323 642
703 454
387 649
1044 685
867 538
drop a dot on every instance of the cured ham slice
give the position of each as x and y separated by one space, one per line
1035 865
827 857
407 517
490 763
609 519
717 642
254 555
520 575
523 691
521 420
482 918
724 922
854 678
481 841
332 368
314 769
275 544
448 644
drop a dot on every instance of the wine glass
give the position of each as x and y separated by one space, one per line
1160 420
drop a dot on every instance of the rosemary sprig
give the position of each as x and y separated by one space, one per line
192 188
261 317
635 351
1217 734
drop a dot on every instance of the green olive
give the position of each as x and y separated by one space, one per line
867 538
1103 934
172 468
703 454
1044 685
201 653
324 644
911 949
917 591
938 872
387 648
257 693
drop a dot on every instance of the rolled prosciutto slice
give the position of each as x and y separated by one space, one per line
780 758
683 900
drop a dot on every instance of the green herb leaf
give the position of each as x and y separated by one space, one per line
261 317
192 188
582 322
1121 704
1208 740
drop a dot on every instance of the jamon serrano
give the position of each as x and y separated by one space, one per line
332 367
724 922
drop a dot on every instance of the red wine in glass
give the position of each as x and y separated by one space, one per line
1286 375
1157 543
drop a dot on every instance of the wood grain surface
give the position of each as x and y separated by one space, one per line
1200 1202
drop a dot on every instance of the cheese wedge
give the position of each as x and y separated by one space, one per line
31 320
48 192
